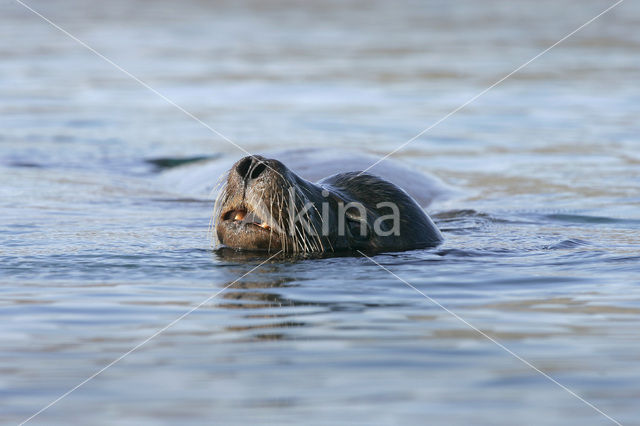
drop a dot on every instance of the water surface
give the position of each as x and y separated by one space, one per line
541 249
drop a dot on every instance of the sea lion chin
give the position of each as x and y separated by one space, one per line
264 206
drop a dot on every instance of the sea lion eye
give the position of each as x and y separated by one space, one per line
357 227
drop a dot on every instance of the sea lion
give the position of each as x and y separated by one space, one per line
265 206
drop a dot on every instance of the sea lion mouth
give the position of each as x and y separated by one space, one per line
242 216
242 227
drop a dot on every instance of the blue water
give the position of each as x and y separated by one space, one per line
542 245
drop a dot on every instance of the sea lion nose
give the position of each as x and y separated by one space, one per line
250 168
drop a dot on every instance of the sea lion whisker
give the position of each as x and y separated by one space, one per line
318 236
310 222
217 208
317 240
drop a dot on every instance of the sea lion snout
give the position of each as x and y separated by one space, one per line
250 167
257 171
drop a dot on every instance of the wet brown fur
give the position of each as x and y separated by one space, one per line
261 186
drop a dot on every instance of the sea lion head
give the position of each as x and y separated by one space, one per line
265 206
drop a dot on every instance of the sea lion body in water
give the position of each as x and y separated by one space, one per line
263 205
